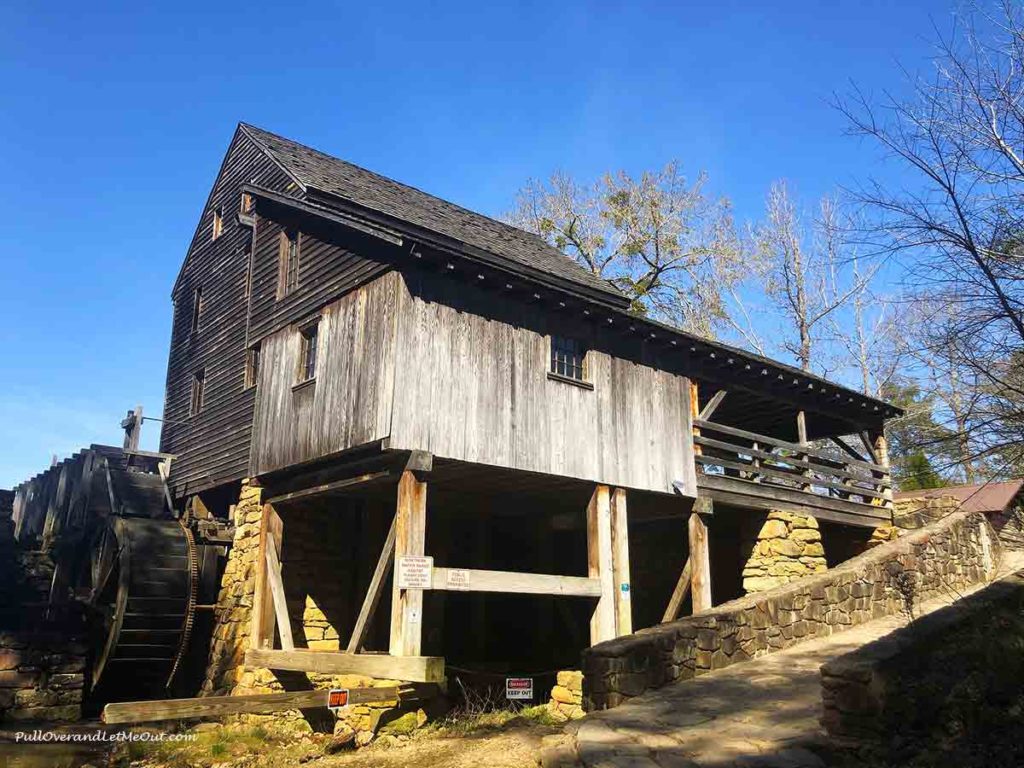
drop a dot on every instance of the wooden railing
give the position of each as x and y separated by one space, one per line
762 466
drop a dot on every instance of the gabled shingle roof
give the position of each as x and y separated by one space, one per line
315 170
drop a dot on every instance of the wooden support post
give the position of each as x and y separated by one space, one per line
695 414
599 564
620 563
410 538
263 616
880 450
700 564
801 437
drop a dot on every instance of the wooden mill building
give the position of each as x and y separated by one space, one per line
404 378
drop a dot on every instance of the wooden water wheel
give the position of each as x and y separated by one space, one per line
138 579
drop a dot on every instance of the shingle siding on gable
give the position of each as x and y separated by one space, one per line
213 447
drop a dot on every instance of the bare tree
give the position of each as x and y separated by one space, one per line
806 277
960 232
660 239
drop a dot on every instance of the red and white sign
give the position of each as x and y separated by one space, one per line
519 688
337 698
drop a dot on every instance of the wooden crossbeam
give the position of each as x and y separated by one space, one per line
414 669
217 706
337 485
712 405
675 603
847 448
475 580
373 592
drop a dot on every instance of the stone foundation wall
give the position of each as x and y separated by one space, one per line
233 615
42 663
567 696
907 682
788 547
312 570
954 553
41 677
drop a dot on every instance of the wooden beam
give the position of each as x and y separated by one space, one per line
620 563
695 413
284 625
263 617
700 565
869 445
410 536
373 592
749 495
880 450
847 448
675 603
218 706
712 406
337 485
599 564
414 669
475 580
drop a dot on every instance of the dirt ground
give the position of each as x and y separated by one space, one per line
495 740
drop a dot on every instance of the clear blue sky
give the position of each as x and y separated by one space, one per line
115 119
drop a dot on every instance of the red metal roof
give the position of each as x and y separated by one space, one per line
984 497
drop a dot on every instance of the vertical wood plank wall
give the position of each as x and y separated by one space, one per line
471 383
349 402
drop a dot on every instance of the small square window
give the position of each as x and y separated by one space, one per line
252 366
198 386
218 223
568 358
288 263
247 204
307 352
197 308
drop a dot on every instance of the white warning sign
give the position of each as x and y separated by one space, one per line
415 572
458 580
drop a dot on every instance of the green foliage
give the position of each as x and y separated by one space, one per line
916 473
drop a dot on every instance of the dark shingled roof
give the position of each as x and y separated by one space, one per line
313 169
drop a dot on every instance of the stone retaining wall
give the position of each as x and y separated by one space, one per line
42 663
41 677
902 682
953 553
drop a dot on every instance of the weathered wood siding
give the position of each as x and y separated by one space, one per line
349 402
471 384
213 446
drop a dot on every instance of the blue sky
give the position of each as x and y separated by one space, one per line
115 119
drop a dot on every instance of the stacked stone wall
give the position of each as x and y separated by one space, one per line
956 552
42 662
788 547
907 682
567 696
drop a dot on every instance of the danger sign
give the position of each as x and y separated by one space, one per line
518 687
337 698
415 572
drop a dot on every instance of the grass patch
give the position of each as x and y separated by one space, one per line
462 723
208 747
